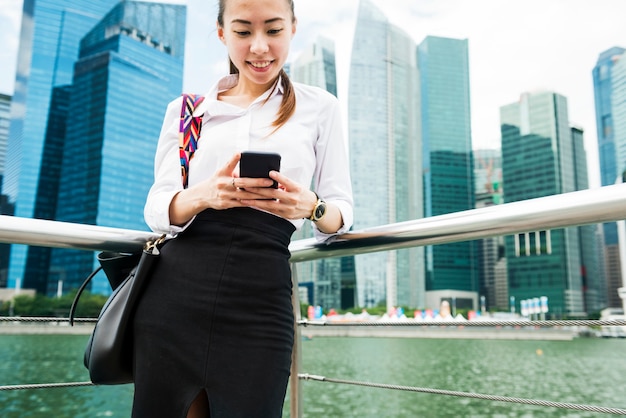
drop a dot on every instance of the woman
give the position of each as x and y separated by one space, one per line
214 330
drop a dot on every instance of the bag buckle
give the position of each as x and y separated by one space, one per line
152 246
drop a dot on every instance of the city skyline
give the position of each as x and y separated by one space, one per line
506 58
389 52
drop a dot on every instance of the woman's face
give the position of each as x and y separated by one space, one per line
257 34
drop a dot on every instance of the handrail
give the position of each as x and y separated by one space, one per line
44 233
603 204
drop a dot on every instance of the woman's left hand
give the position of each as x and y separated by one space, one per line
291 200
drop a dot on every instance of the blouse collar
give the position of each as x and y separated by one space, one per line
230 81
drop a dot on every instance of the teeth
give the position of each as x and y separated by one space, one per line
260 64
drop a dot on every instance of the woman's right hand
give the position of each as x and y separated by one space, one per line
220 191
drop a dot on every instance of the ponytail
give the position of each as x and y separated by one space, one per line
288 104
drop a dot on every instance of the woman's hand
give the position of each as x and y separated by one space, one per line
291 201
220 191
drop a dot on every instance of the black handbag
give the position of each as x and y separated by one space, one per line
109 351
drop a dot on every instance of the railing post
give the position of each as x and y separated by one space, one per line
295 390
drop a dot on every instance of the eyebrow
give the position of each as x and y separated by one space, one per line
247 22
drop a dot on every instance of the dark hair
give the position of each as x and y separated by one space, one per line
288 104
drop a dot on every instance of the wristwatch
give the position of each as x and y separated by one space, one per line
319 210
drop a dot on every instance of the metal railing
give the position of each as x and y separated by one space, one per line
604 204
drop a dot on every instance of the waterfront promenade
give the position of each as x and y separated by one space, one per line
442 332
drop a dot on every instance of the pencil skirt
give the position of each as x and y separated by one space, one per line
217 317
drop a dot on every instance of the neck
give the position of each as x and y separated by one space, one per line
245 88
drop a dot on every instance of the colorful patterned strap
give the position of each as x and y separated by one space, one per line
189 132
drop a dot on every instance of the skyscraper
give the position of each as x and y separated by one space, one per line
618 106
385 154
488 186
332 280
6 208
538 159
94 164
590 237
5 119
607 151
130 67
49 44
316 66
448 158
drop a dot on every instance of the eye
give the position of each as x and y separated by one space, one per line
242 33
274 31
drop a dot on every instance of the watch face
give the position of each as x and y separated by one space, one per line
320 210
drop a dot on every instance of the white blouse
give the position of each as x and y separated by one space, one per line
311 144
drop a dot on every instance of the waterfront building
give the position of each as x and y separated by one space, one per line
448 158
135 52
6 208
49 42
385 154
5 120
488 187
590 236
97 168
330 282
606 119
538 159
316 66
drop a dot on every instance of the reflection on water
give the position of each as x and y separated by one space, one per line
583 371
28 359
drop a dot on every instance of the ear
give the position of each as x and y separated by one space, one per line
293 27
220 33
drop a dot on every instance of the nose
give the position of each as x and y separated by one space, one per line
259 44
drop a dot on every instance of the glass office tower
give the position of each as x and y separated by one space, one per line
603 92
5 119
590 236
330 282
494 290
385 154
49 43
607 152
618 106
130 67
316 66
100 129
538 160
5 207
448 158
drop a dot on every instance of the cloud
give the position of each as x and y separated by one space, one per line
10 16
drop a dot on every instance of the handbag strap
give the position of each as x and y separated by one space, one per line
189 132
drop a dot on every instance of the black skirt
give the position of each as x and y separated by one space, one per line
217 317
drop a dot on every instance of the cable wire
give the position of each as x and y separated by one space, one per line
536 402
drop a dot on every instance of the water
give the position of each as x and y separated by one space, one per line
583 371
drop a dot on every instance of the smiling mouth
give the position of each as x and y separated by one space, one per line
260 64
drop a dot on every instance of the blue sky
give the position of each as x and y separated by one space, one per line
515 46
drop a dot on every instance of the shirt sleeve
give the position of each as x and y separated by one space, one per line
332 172
167 174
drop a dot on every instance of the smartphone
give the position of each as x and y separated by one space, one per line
258 164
